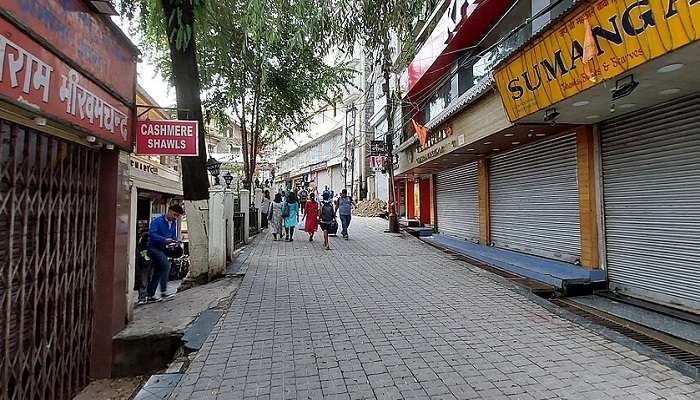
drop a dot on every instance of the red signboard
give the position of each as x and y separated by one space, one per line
461 26
80 34
167 138
34 78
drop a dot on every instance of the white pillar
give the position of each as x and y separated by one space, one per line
131 273
217 234
197 220
258 202
228 216
245 209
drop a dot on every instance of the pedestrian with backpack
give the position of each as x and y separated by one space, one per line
290 213
344 206
327 218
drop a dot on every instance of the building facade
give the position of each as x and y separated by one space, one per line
532 151
317 165
66 114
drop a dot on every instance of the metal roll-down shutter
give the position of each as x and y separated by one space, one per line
651 182
534 200
458 202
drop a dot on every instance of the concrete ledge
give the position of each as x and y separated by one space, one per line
551 272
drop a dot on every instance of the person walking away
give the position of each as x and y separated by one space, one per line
274 216
345 204
290 213
264 209
327 218
303 197
162 232
144 269
311 217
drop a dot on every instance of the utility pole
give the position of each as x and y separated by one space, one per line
393 218
352 150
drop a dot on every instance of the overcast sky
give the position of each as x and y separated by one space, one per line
148 78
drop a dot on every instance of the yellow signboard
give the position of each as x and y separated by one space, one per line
626 33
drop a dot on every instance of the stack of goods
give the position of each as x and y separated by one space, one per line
370 208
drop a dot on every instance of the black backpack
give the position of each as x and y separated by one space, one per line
327 212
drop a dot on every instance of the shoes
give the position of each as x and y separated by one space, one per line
141 302
328 247
345 237
311 239
164 295
152 300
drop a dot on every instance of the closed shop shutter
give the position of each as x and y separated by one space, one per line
534 200
323 180
337 182
458 202
382 181
651 175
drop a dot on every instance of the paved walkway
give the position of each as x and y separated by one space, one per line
384 316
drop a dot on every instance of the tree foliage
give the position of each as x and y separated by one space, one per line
266 63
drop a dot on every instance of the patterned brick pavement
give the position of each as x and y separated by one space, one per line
387 317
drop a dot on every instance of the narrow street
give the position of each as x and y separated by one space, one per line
386 316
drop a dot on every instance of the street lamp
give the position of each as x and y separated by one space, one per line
213 166
228 178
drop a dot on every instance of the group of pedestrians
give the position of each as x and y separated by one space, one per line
283 213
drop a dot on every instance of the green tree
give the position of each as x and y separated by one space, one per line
372 23
264 62
169 31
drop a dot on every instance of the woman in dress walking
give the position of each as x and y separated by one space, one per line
311 216
274 216
291 206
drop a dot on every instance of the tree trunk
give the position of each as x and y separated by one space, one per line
244 146
195 182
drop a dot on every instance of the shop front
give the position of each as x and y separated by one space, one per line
441 175
65 133
534 200
638 98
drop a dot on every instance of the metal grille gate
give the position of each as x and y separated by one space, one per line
48 202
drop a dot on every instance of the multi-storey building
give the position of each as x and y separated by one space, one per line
564 132
317 164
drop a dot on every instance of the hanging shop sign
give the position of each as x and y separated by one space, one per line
35 79
624 33
434 137
377 148
76 31
318 166
376 163
167 138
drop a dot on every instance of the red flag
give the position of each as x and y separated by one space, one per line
589 50
421 132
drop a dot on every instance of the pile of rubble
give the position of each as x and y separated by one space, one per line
370 208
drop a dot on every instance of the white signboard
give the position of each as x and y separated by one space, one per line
377 163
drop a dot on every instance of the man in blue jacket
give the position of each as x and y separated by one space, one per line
162 232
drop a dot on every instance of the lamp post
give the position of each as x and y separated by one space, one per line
213 165
228 178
